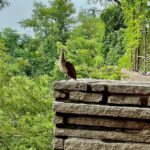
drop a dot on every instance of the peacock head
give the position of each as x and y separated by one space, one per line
63 50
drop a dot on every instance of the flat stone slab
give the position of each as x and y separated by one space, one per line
59 143
149 101
124 87
130 89
109 122
90 144
130 136
129 100
101 110
58 119
85 97
70 85
58 94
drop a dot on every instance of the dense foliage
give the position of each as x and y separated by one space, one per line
134 18
25 107
98 45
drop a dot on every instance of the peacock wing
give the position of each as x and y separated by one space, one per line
71 70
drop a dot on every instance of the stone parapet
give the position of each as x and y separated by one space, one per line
102 115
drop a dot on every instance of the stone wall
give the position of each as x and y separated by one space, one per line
102 115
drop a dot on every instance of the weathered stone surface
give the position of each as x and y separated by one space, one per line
149 101
124 87
129 136
58 143
70 85
88 80
100 110
58 119
90 144
58 94
97 87
85 97
119 99
119 127
109 122
129 89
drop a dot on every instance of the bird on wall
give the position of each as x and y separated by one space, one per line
66 67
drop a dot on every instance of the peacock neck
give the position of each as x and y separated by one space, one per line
62 56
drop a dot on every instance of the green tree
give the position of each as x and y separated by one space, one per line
51 24
53 20
114 46
21 47
112 16
113 43
61 13
134 16
40 20
10 38
25 107
101 1
14 42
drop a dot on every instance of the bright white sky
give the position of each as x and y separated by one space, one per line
22 9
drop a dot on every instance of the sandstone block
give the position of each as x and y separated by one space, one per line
58 94
149 101
128 136
85 97
101 110
109 122
97 87
124 87
90 144
58 119
129 89
70 85
118 99
100 85
58 143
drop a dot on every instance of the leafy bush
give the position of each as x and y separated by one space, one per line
25 108
107 72
26 114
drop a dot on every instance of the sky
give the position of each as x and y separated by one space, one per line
22 9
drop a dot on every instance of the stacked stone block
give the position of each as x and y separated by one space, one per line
102 115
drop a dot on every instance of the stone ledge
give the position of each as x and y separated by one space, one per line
97 87
130 136
70 85
58 94
101 110
108 122
125 87
130 89
85 97
121 87
58 119
59 143
123 99
149 101
90 144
